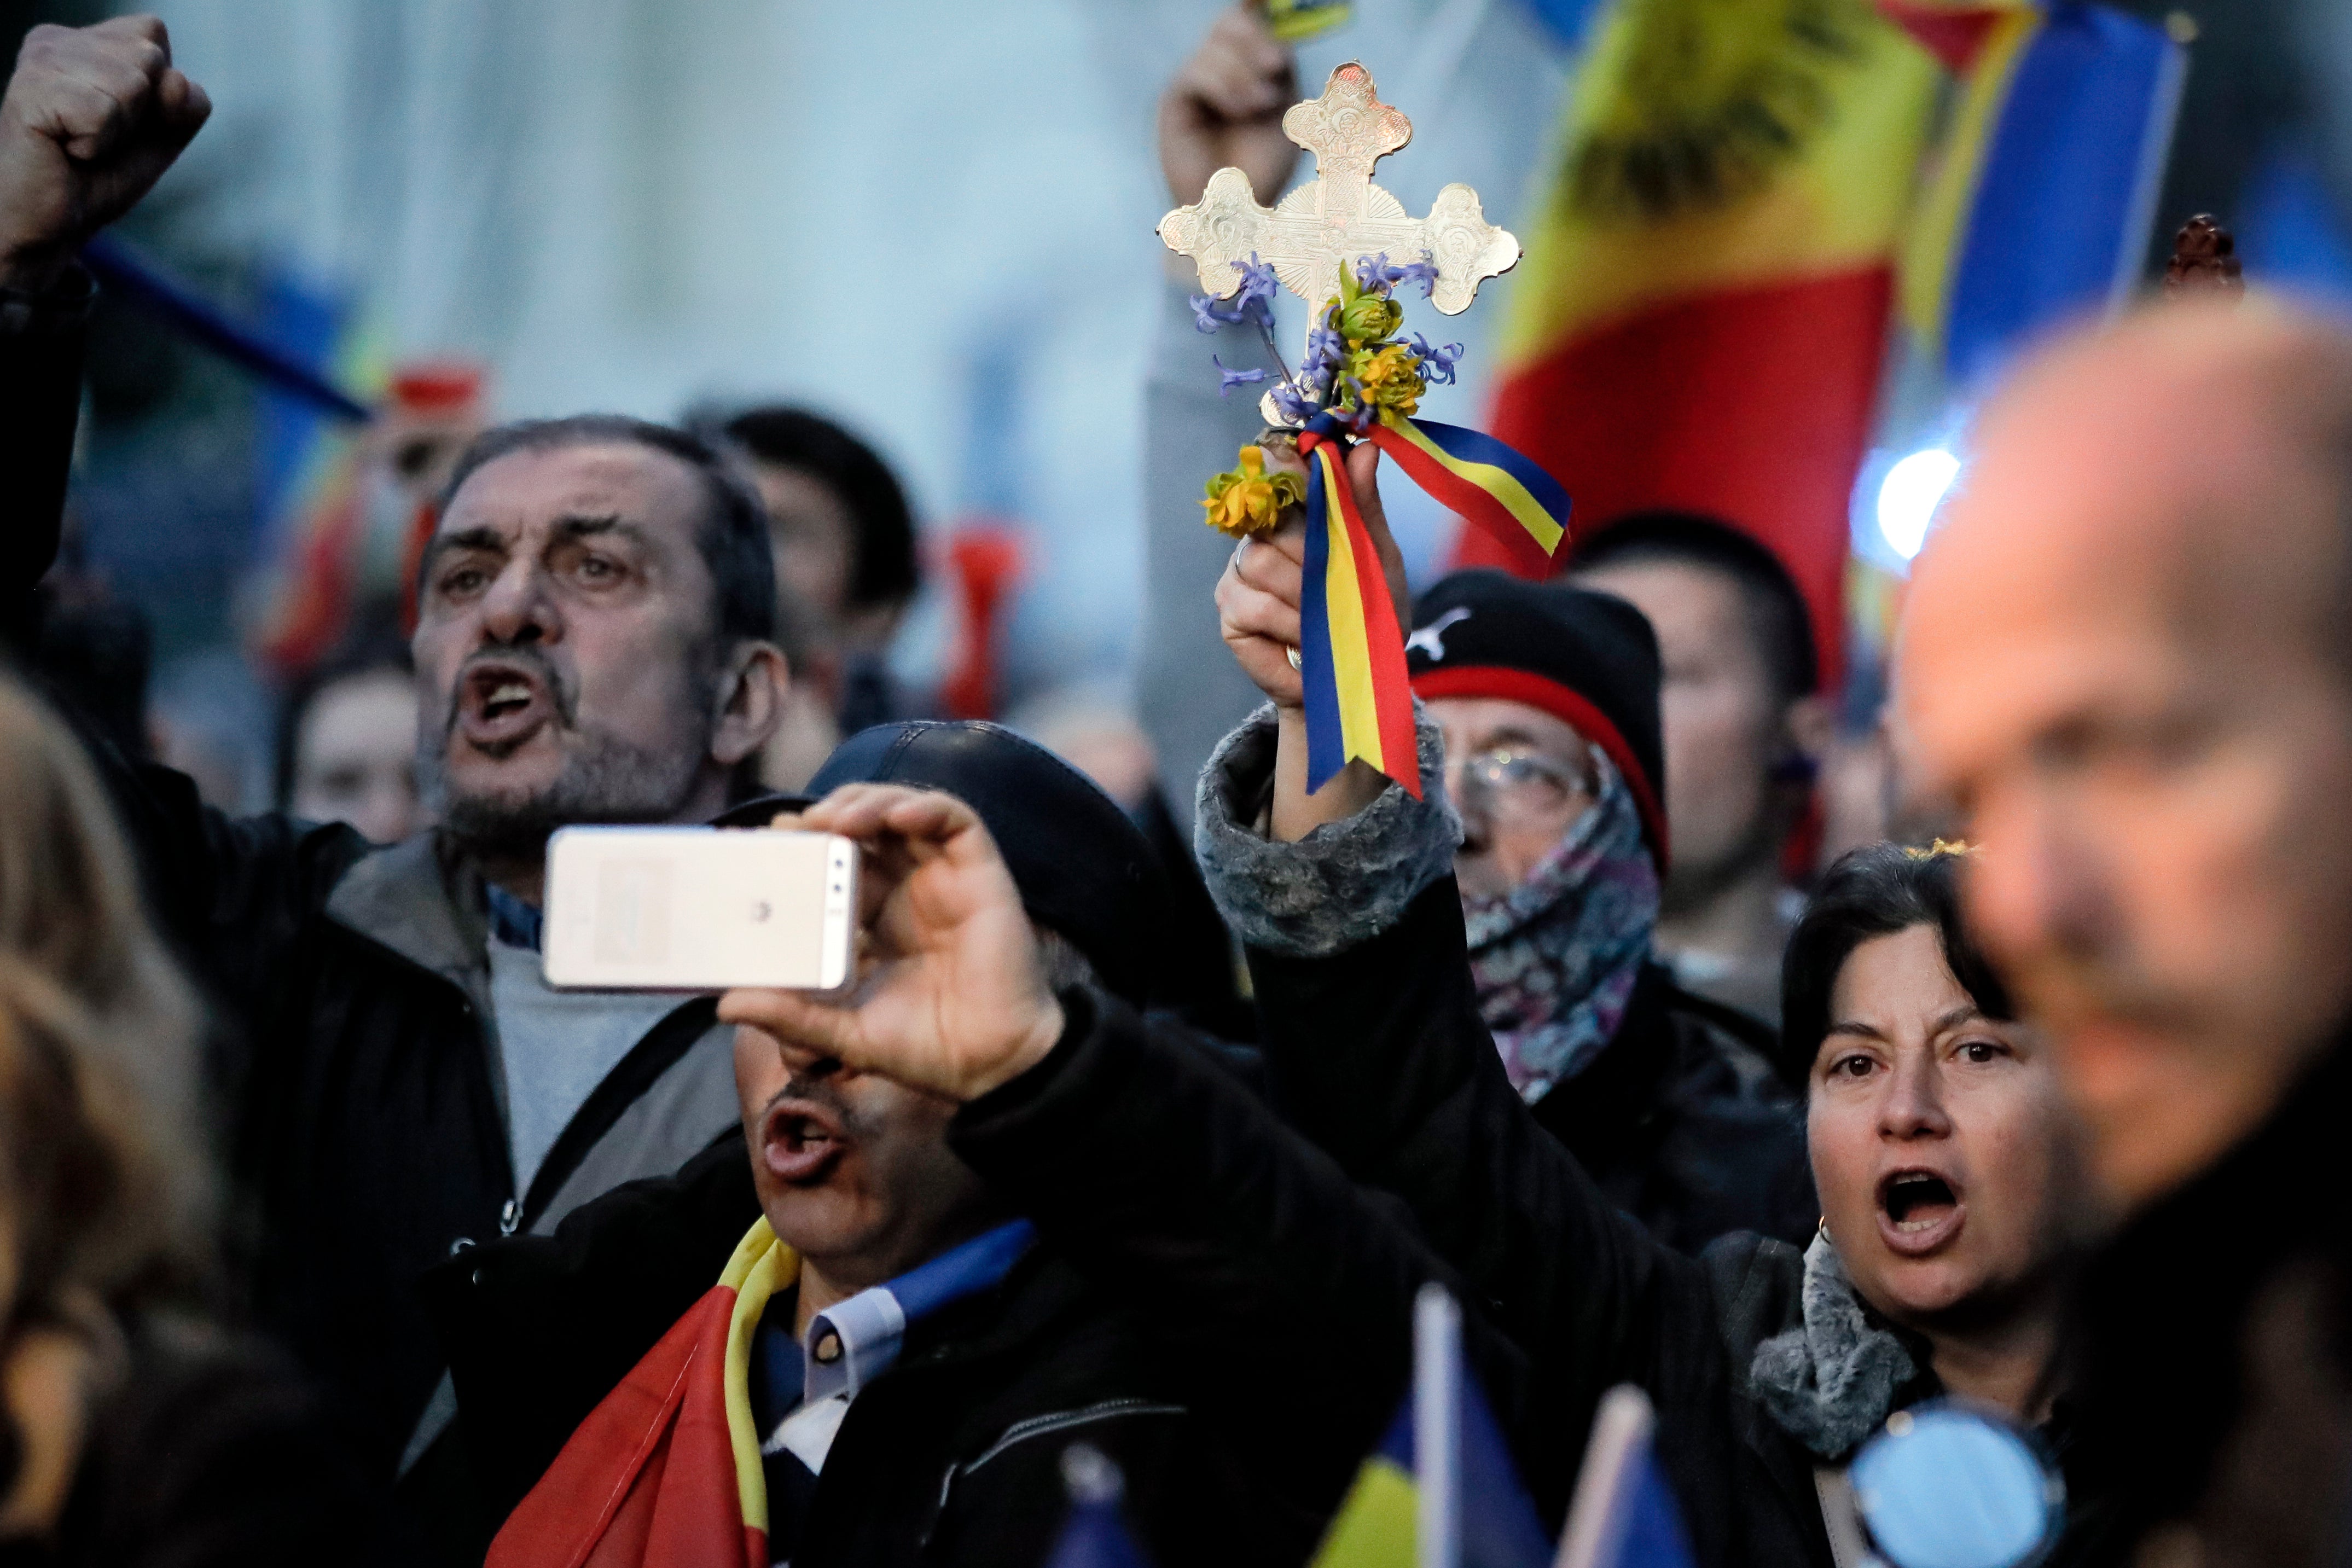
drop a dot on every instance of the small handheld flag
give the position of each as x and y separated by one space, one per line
1624 1515
1441 1491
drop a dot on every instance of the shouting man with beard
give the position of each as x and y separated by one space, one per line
593 645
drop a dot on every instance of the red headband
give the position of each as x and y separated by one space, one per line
1568 705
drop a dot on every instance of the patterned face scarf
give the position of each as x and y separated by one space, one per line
1556 958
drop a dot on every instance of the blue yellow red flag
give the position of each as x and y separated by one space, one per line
1482 480
2042 203
1700 321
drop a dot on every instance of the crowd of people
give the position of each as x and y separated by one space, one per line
328 1225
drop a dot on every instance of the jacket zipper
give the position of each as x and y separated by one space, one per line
1042 1427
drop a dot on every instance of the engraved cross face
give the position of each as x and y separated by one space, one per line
1325 224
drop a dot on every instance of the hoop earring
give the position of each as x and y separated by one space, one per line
1824 1229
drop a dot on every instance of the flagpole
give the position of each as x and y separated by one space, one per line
1437 1426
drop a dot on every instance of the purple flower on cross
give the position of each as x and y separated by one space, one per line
1295 405
1259 286
1209 313
1423 272
1326 351
1229 379
1436 363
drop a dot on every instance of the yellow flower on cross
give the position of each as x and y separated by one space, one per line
1249 500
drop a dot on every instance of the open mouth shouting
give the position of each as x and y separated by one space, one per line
501 704
1920 1211
801 1141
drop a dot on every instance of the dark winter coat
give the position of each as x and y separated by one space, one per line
2237 1290
1680 1119
1763 1364
951 1457
356 1068
209 1452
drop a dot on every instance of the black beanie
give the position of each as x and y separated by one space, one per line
1084 869
1589 659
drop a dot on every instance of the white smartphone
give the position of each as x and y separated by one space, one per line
698 908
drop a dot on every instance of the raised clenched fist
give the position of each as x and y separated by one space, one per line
92 118
1224 109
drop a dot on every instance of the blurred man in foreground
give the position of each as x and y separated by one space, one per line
2129 657
593 645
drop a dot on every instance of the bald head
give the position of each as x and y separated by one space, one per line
2126 657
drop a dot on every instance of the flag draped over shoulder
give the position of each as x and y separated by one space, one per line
666 1472
1701 316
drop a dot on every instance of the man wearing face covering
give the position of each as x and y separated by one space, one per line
1540 703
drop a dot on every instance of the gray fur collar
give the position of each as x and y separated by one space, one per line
1341 884
1833 1380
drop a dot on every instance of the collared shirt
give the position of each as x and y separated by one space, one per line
800 1393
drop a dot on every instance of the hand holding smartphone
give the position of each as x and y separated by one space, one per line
698 908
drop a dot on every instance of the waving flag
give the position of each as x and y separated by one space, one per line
666 1472
1441 1491
2049 180
1701 316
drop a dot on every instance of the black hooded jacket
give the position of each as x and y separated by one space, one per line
355 1069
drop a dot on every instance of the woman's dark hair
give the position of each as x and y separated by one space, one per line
884 571
1872 892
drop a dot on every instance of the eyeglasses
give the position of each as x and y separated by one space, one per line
1514 785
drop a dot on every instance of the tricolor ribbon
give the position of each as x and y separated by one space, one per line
1351 650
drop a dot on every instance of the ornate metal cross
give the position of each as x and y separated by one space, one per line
1338 216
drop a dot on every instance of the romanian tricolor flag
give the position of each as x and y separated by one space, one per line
666 1472
2049 178
1701 316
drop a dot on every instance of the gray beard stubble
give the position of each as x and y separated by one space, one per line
606 779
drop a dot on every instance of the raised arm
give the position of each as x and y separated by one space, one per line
1346 903
92 118
1222 108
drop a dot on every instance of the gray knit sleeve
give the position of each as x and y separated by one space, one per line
1341 884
